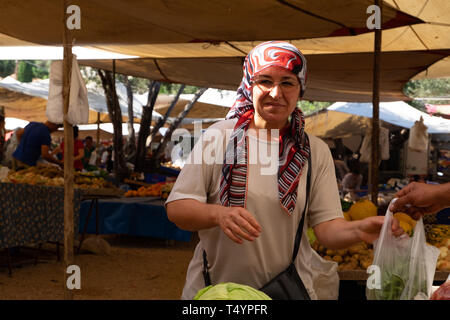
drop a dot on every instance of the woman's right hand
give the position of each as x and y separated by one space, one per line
237 223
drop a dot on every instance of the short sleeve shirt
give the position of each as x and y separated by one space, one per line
36 134
255 263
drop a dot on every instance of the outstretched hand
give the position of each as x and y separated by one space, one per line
369 228
417 199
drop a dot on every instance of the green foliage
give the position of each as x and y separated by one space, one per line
172 88
309 107
427 88
7 67
41 69
25 71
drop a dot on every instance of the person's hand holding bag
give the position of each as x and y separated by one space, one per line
369 228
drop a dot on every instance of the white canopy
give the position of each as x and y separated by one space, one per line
398 113
344 119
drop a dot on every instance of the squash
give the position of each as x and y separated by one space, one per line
362 209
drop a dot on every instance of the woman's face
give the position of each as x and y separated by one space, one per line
275 92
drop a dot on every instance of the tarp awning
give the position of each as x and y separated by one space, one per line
180 21
331 77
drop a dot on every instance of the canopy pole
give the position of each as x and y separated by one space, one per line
376 110
98 136
68 156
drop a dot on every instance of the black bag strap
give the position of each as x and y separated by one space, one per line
206 276
298 236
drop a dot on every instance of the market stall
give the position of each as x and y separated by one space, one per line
33 214
143 216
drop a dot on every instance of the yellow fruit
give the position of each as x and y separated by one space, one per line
406 227
347 216
405 217
362 209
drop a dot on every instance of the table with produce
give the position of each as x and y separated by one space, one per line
139 212
32 203
353 262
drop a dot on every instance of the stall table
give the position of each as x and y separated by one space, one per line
136 216
33 214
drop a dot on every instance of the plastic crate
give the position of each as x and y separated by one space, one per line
154 178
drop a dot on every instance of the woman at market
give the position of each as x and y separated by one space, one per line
247 215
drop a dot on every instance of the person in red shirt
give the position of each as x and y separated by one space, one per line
78 150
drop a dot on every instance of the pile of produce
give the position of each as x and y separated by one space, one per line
54 176
443 263
438 233
357 257
155 190
38 175
91 181
439 236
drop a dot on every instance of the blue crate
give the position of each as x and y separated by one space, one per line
154 178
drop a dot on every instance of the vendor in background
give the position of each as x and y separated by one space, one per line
34 143
418 199
352 180
78 150
339 165
89 149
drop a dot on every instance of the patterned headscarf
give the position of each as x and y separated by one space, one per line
294 146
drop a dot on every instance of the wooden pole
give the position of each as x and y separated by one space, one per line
375 111
98 137
68 157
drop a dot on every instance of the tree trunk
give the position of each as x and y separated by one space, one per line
146 121
168 136
130 146
169 110
115 114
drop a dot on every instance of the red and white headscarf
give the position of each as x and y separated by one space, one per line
294 146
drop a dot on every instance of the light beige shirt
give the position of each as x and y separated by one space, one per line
255 263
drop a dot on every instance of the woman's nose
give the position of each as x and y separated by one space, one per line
275 91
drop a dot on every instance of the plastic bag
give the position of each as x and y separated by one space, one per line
366 146
418 137
78 112
403 267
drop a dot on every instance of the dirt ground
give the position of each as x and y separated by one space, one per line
136 269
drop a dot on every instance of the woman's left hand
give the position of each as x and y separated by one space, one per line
369 228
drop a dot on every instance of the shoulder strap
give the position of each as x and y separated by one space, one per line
298 236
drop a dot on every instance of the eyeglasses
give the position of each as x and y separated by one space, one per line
266 84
